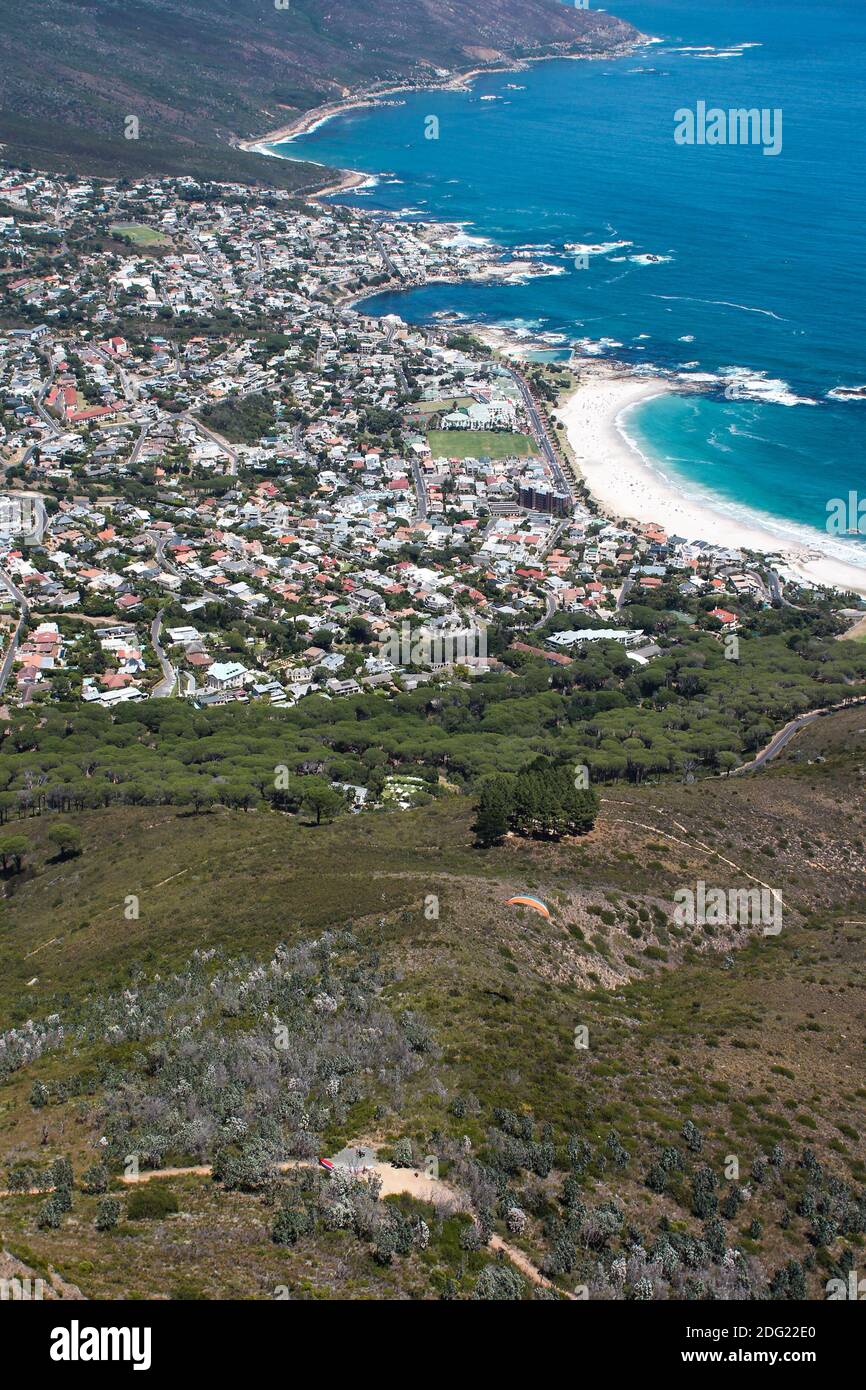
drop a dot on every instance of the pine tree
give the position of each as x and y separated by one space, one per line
492 818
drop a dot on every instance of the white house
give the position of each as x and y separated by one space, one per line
225 675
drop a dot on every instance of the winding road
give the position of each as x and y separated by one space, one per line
393 1182
12 649
164 689
784 736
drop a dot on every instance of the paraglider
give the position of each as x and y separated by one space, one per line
535 903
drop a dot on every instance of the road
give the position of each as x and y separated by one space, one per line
137 447
164 564
40 409
856 632
627 585
161 542
392 269
12 649
551 539
420 490
549 610
163 690
216 438
393 1182
542 434
784 736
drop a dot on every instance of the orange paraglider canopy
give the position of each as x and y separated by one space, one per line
534 903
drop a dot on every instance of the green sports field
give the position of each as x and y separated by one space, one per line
495 444
140 234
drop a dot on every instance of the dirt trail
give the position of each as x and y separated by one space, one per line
686 844
204 1170
525 1265
395 1182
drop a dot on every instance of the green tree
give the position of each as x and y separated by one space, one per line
14 848
321 799
67 838
359 632
494 807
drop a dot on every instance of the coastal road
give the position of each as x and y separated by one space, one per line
392 269
169 676
542 434
784 736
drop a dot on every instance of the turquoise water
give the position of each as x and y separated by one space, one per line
765 268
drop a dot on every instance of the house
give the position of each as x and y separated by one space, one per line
729 621
629 638
225 675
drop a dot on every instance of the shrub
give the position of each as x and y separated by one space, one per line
95 1180
151 1201
50 1215
693 1137
61 1173
403 1156
38 1095
498 1283
290 1223
107 1214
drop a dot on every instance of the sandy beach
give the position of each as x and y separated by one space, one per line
624 485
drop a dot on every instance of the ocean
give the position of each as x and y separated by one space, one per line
760 262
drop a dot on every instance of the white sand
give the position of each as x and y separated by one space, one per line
626 488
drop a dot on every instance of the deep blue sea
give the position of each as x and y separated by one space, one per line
765 267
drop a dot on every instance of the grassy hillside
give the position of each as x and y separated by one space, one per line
196 75
460 1013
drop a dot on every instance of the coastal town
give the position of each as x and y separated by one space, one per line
225 482
432 670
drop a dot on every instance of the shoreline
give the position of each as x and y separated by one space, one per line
626 486
306 121
621 480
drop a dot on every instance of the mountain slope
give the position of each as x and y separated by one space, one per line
450 1027
198 74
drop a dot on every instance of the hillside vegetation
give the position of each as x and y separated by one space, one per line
426 1016
196 74
689 713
